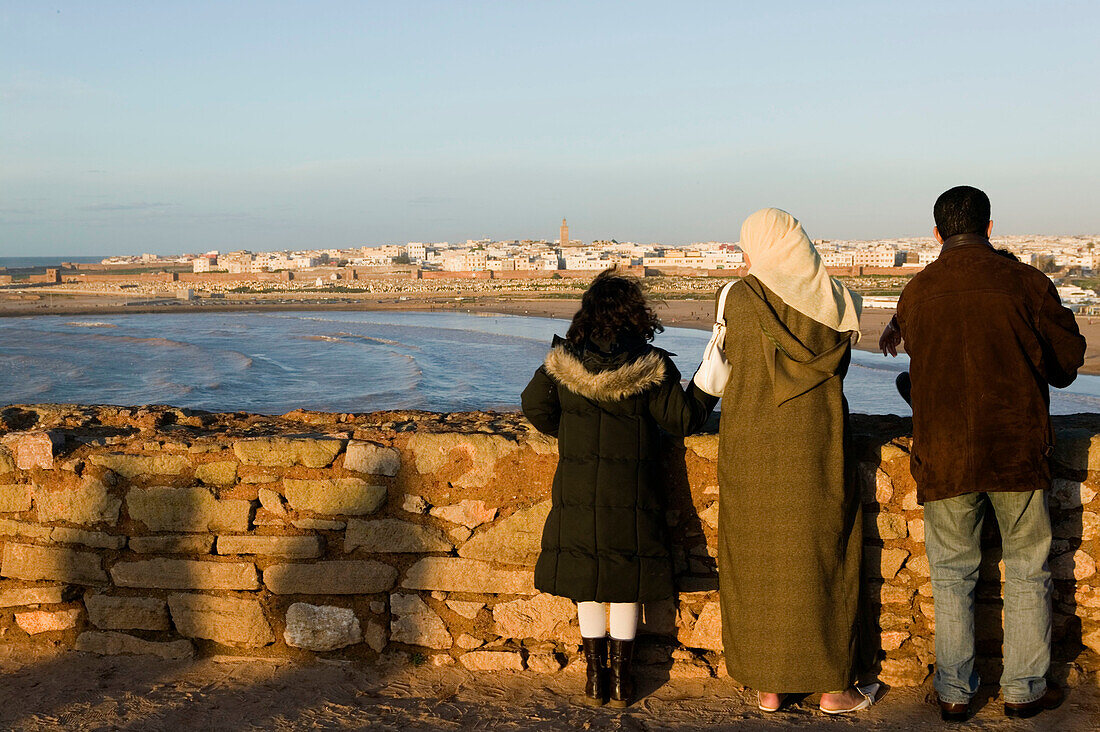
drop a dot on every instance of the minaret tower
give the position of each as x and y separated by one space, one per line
564 233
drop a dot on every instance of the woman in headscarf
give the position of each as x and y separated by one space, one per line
790 538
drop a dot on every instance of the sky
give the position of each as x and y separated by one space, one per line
168 127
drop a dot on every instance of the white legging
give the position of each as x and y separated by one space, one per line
593 619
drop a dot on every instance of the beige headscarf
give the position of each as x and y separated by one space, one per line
786 261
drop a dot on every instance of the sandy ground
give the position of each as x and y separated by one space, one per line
81 692
680 313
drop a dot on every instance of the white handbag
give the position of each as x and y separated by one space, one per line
714 371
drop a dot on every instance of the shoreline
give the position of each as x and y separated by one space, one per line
681 313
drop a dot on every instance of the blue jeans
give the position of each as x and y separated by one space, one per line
952 531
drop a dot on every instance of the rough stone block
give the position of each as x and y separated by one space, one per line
186 574
312 452
132 466
222 473
707 631
272 501
919 565
916 529
468 642
467 575
1068 494
24 529
95 539
903 672
1078 566
492 661
7 461
231 621
705 446
542 617
375 636
295 547
12 595
127 613
22 561
544 663
42 621
14 498
883 563
334 496
513 540
891 640
470 514
875 484
1092 641
415 623
478 453
115 644
414 504
172 544
393 536
709 515
370 458
162 508
321 627
88 504
330 578
466 609
32 449
884 525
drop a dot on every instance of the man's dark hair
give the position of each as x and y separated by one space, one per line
961 210
613 303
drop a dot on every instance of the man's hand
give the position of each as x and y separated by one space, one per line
890 339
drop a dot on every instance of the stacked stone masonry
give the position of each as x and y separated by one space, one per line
413 535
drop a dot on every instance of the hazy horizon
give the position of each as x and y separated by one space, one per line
184 127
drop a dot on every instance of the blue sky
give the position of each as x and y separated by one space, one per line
171 127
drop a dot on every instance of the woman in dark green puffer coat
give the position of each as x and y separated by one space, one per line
606 393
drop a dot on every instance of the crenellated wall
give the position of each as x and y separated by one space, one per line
170 532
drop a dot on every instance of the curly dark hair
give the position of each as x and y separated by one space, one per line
613 303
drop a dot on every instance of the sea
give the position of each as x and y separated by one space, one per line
360 361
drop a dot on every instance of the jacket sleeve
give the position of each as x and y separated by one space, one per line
677 410
540 403
1063 344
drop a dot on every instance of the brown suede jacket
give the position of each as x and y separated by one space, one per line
986 335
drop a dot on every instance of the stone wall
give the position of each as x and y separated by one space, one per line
412 535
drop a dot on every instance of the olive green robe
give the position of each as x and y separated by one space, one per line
789 532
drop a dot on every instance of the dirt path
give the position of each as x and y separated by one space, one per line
80 692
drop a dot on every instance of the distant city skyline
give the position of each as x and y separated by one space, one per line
185 127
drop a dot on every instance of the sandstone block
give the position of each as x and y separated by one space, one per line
14 498
909 501
22 561
25 529
1067 494
12 595
887 562
7 461
223 473
42 621
891 452
903 672
468 642
896 594
272 501
315 524
705 446
321 627
162 508
375 636
884 525
542 617
295 547
172 544
88 504
415 623
892 639
916 529
544 663
312 452
460 534
132 466
1077 566
330 578
466 609
470 514
1092 641
96 539
919 565
393 536
334 496
514 540
231 621
707 632
371 458
114 644
492 661
709 515
32 449
127 613
467 575
186 574
476 453
875 484
414 504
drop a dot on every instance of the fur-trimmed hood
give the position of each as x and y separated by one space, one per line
629 379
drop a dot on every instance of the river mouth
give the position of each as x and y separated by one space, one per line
341 361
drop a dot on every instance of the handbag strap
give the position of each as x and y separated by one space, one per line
720 315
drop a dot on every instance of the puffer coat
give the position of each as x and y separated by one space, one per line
605 538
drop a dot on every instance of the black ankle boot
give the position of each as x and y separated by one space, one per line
595 656
622 681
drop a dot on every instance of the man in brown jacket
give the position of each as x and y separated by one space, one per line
986 337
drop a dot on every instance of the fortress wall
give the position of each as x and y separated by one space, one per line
412 534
